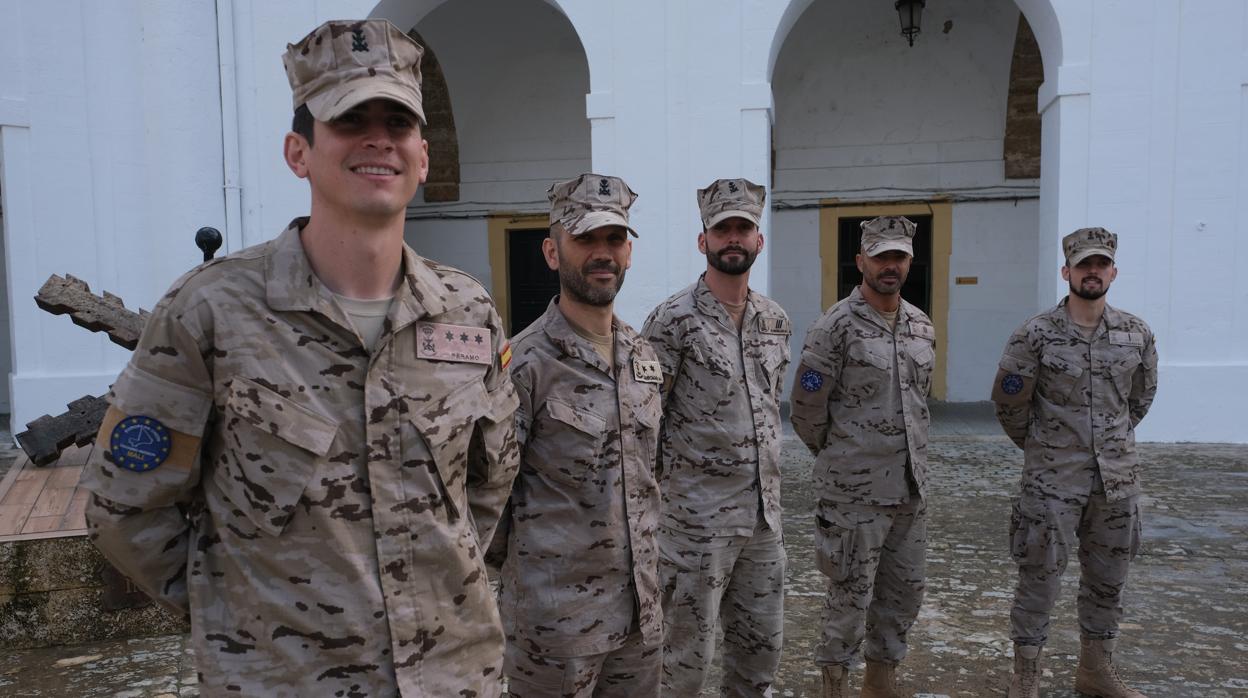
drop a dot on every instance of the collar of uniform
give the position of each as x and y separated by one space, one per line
561 334
1060 316
905 311
709 305
290 283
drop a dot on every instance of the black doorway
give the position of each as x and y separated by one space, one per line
531 284
918 287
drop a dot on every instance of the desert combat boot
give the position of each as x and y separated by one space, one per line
835 681
1097 675
880 681
1026 681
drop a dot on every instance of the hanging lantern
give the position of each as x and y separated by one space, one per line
910 12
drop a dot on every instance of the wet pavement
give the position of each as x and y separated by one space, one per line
1185 631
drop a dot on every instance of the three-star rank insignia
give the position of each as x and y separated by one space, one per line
441 341
647 371
139 444
812 380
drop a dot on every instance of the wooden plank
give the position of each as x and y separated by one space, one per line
75 518
25 492
41 524
53 501
12 518
45 535
64 476
15 471
46 437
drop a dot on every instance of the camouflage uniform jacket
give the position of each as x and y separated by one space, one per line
320 514
1078 401
720 443
862 408
581 569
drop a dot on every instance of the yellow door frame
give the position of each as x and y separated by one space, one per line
498 226
830 216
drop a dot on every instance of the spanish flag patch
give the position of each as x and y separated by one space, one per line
504 355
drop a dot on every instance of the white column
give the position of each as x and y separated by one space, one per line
1065 108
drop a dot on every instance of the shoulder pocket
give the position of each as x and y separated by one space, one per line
273 446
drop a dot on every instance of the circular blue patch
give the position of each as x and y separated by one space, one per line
1012 384
139 444
812 380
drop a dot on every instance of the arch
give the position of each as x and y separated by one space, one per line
1040 14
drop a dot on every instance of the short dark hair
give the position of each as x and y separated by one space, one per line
302 123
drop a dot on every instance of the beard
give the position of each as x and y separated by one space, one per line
732 267
883 284
576 285
1089 294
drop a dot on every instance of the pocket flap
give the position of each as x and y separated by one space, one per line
1061 365
580 420
274 414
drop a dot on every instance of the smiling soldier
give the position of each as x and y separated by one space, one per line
333 422
860 405
1072 385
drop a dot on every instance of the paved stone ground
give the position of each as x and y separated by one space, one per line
1185 632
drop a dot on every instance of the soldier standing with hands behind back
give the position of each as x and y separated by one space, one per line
328 422
723 348
1073 383
580 597
860 405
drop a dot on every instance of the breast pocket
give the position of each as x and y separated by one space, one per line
436 463
923 358
569 444
771 365
1059 377
273 446
864 374
1122 367
705 376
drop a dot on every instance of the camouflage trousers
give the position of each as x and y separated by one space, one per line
875 559
631 670
737 581
1042 533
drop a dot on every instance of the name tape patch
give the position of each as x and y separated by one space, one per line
647 371
773 325
442 342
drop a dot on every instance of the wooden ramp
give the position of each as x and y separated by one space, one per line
44 502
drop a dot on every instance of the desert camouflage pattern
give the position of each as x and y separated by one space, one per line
631 671
875 559
728 198
887 233
323 529
580 572
1043 532
590 201
737 582
866 417
343 63
1077 402
1085 242
720 445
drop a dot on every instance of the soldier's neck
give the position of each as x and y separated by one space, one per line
729 289
356 259
591 318
883 303
1085 312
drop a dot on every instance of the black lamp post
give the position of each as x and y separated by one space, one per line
910 12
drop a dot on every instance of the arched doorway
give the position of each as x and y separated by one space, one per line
865 125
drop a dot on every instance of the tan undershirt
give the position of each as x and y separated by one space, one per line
736 311
368 316
604 344
890 317
1087 331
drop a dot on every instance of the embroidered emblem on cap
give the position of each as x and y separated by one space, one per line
604 187
647 371
1012 384
358 42
139 444
812 380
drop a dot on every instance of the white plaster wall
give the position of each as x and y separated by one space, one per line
463 244
796 277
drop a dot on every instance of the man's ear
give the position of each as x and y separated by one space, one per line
702 242
1065 273
551 252
295 150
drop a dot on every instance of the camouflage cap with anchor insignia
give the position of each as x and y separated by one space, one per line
1085 242
731 198
590 201
345 62
888 233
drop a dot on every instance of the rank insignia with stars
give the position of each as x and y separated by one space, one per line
812 380
139 444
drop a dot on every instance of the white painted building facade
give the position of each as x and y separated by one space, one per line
150 119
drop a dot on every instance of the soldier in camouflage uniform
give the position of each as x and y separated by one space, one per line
724 349
860 405
1072 385
314 434
580 592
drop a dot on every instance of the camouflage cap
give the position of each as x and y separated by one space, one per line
887 233
590 201
731 198
1085 242
345 62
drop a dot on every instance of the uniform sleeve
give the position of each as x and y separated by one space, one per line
496 553
160 404
1014 384
665 337
817 374
493 458
1144 383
